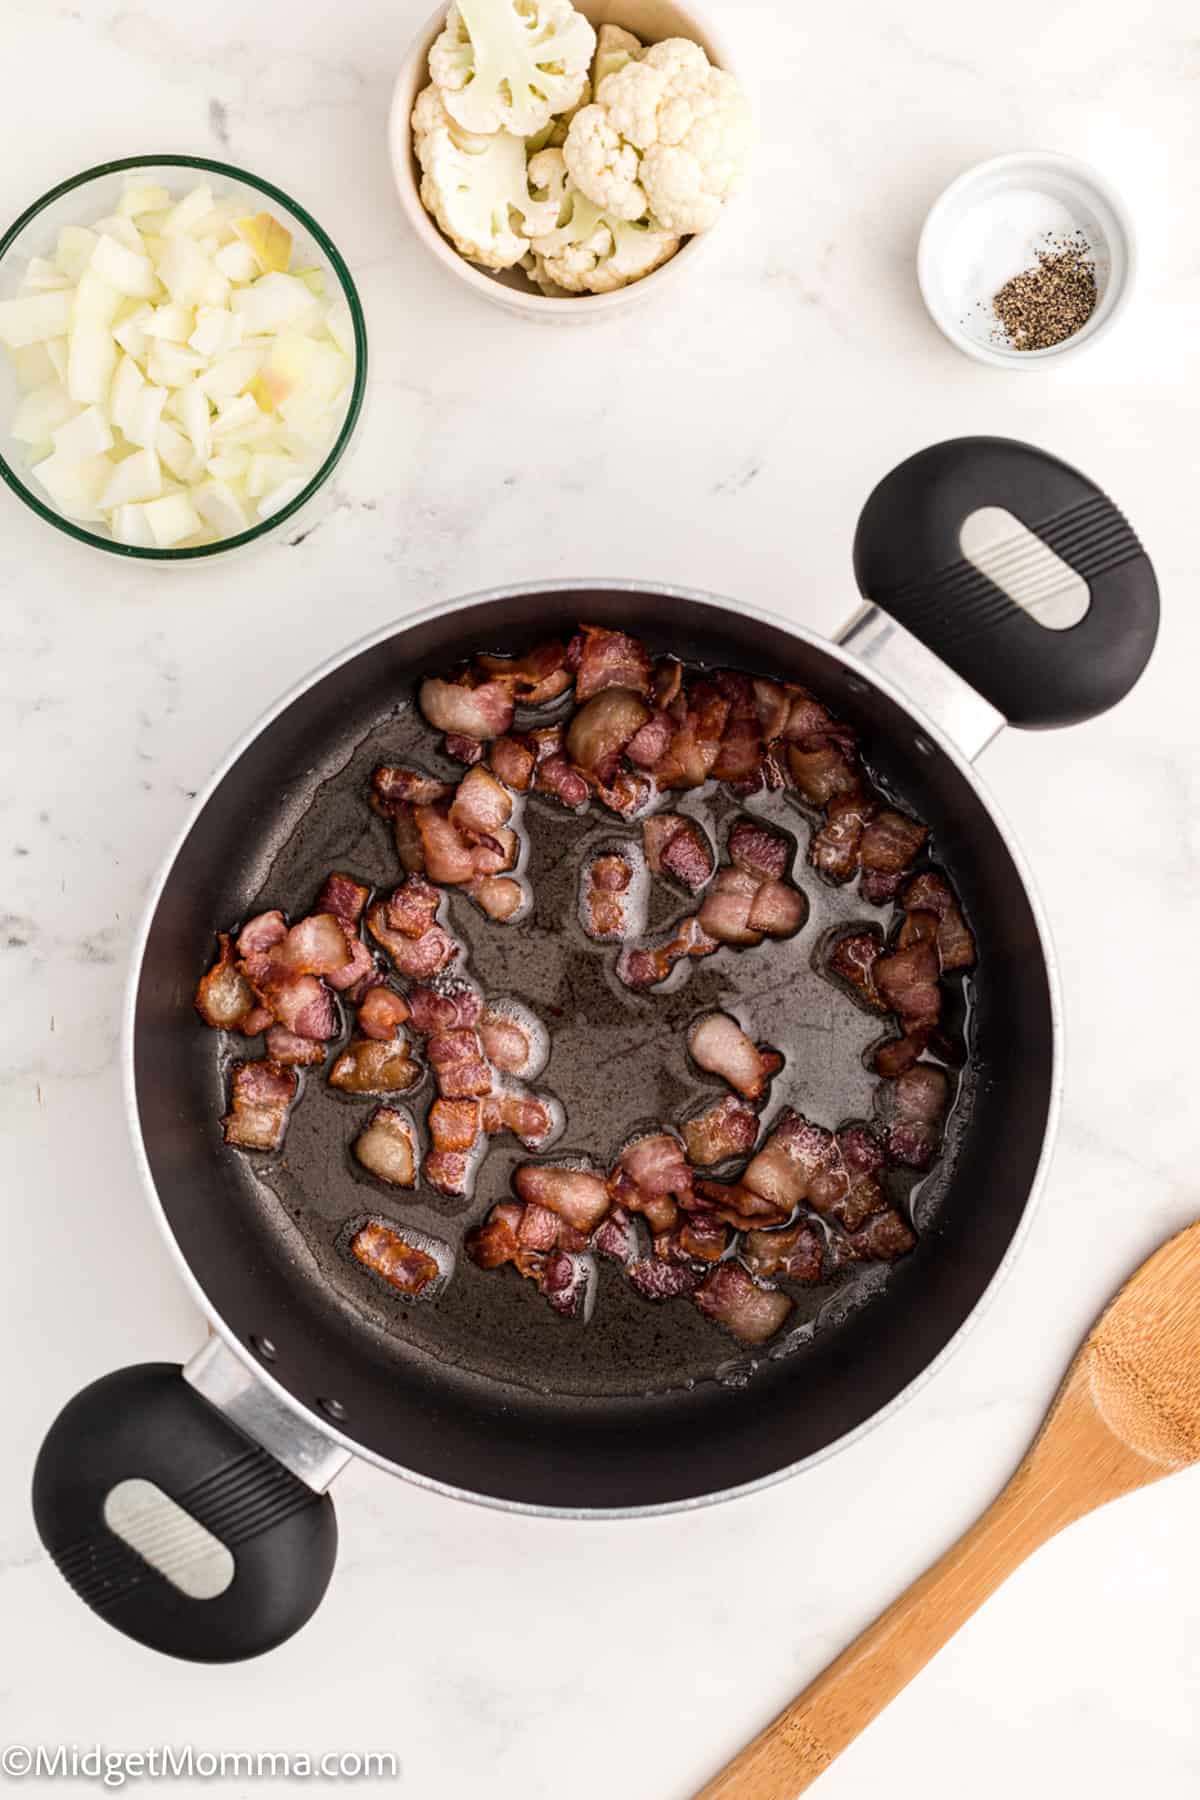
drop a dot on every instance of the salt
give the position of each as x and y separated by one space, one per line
996 239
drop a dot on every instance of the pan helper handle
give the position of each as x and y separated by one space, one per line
983 601
176 1526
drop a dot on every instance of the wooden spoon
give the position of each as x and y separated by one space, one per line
1127 1414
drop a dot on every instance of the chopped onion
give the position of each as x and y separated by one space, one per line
177 381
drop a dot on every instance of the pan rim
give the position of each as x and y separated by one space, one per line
487 596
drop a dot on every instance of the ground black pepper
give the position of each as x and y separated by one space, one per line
1051 301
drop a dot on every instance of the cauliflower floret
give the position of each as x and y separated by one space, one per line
589 251
667 134
477 187
554 135
511 65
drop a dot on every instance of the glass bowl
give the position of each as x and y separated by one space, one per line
94 194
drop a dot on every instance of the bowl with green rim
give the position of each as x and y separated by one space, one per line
94 195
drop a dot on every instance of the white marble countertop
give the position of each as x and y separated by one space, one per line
728 444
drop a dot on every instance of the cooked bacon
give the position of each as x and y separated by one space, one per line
393 788
501 898
759 850
539 1229
657 1165
660 1211
261 934
617 1237
258 1019
645 968
599 731
454 1125
359 973
628 793
793 1154
720 1047
381 1013
928 892
404 925
797 1254
725 914
497 1241
462 749
849 1189
649 745
314 946
506 1042
529 1119
733 1299
459 1066
678 846
513 760
883 1238
302 1005
432 1011
554 774
344 897
564 1281
726 1128
853 957
607 659
404 1266
701 1237
658 1280
283 975
737 1204
485 711
411 909
739 759
834 850
700 716
259 1098
292 1052
387 1147
606 902
668 679
537 677
367 1066
576 1195
448 856
421 958
807 718
894 1055
779 910
824 766
224 998
907 981
481 805
889 844
917 1105
773 704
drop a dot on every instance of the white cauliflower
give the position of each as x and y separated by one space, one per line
588 251
511 65
554 135
667 135
477 187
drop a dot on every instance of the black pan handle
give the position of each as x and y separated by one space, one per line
908 560
141 1459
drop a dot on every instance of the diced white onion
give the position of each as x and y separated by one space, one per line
88 434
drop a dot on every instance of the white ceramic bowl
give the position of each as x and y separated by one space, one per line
652 21
984 229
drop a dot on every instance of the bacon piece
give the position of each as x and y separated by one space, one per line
599 731
358 972
367 1066
883 1238
539 676
606 910
853 957
292 1052
501 898
759 850
387 1147
454 1124
404 925
459 1066
539 1229
660 1211
577 1195
395 787
657 1280
497 1241
649 745
928 892
344 897
894 1055
779 910
513 760
700 718
484 711
739 1205
529 1119
259 1098
224 998
889 844
411 909
731 1298
849 1189
907 981
564 1282
617 1237
645 968
675 845
807 718
657 1165
258 1019
797 1254
739 759
824 766
725 914
628 793
725 1129
553 773
405 1267
261 934
720 1047
773 705
448 856
432 1011
608 659
506 1042
314 946
917 1105
793 1154
462 749
668 680
701 1238
302 1005
481 805
381 1013
835 849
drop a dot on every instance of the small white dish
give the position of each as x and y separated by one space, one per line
652 21
988 226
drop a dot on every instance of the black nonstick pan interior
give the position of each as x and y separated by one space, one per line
484 1389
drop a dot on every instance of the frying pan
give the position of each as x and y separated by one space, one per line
189 1508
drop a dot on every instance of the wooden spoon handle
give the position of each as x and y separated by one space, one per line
802 1742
